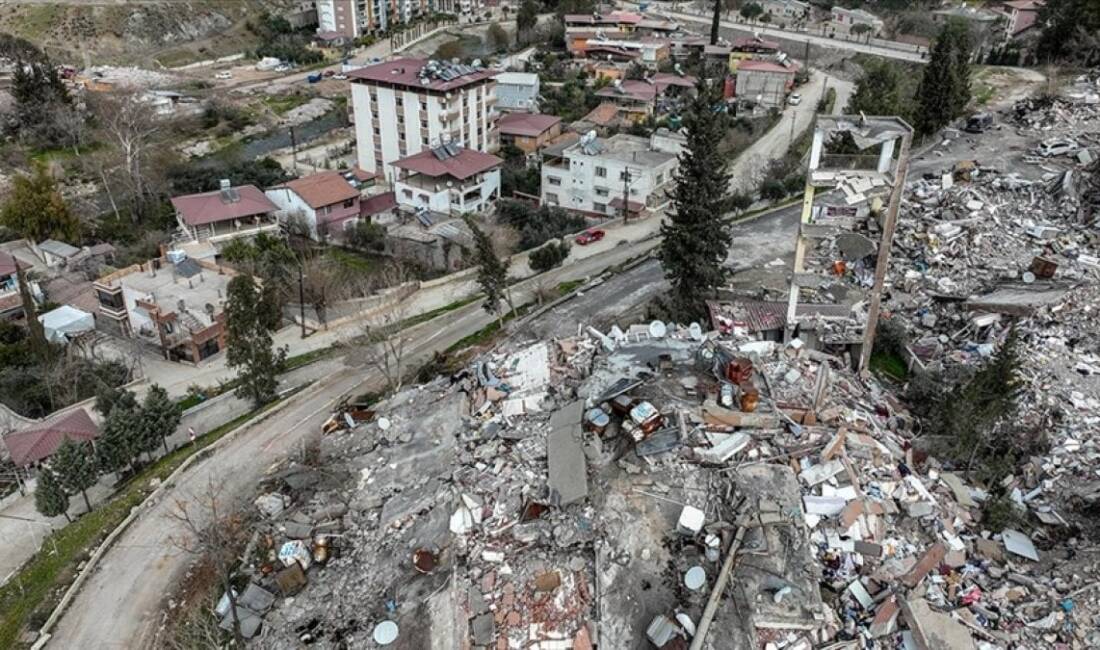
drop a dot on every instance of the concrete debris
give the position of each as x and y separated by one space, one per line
733 488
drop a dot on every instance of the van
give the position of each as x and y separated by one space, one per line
979 123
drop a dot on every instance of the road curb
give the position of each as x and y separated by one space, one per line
138 510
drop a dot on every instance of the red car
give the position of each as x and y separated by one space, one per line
589 236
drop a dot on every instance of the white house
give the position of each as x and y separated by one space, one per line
594 175
325 202
790 9
407 106
846 19
447 180
518 91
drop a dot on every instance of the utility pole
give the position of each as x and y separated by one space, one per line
293 150
301 298
626 194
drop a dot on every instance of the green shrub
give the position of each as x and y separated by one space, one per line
549 256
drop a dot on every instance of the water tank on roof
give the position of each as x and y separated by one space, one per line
176 256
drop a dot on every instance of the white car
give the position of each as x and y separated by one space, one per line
339 76
795 99
1057 147
225 74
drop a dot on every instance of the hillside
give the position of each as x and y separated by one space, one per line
169 32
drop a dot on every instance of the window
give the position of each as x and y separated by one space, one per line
407 194
423 124
552 199
602 191
599 207
377 131
553 180
660 178
400 102
349 203
623 174
601 172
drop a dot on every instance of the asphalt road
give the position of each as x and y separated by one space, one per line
801 37
619 299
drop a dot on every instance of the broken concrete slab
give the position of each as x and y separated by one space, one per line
1020 544
568 468
933 630
959 490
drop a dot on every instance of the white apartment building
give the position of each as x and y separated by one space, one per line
406 106
353 18
594 175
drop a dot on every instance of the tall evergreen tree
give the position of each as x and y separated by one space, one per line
715 22
50 499
118 445
76 468
695 237
1071 31
160 416
526 18
40 96
944 89
252 314
492 272
878 91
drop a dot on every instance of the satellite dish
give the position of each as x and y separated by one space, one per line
696 331
384 424
686 623
1028 277
385 633
657 329
695 578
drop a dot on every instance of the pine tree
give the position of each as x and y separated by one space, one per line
252 314
50 499
715 22
878 91
75 466
492 272
526 18
695 237
944 89
118 446
160 416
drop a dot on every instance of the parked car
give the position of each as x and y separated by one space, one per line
314 78
589 236
224 74
340 77
1056 147
979 123
795 99
328 73
282 67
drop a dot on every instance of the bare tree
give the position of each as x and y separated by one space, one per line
135 129
215 527
383 348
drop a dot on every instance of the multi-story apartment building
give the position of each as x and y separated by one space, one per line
353 18
406 106
601 176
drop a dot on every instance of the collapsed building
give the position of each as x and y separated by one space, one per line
658 485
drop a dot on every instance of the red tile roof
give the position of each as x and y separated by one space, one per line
527 124
211 207
406 72
39 442
602 115
322 188
377 204
466 164
765 66
8 265
647 90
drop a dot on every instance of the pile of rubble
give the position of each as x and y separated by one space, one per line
657 483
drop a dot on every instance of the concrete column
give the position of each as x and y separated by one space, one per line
885 156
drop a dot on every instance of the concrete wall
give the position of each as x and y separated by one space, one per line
290 204
370 307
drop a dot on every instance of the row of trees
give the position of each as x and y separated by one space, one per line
942 94
130 429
